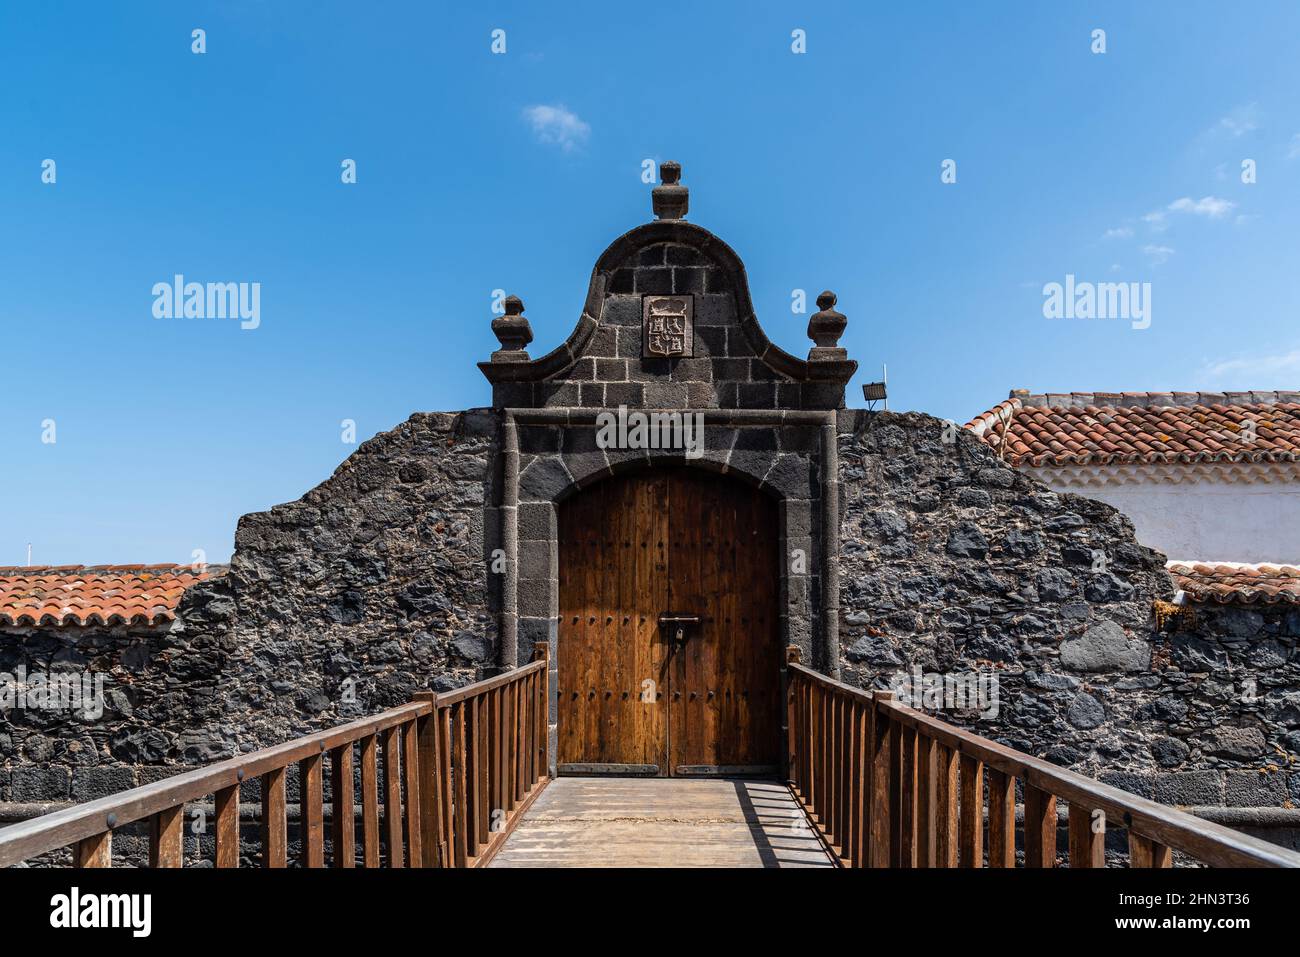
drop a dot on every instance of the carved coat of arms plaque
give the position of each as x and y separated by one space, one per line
668 326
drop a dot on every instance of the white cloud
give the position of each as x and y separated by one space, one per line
1242 120
1156 220
1119 232
1260 371
1158 254
1293 151
1211 206
557 126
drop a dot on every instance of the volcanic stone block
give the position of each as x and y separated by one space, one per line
756 395
1242 743
536 520
630 394
714 310
1255 788
543 480
91 783
665 395
40 784
1190 788
1105 647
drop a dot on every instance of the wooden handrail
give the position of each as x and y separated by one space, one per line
446 698
889 786
443 780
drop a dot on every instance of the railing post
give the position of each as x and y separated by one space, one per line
414 793
895 793
882 807
311 814
946 792
862 761
792 657
95 851
430 783
971 823
494 805
853 783
1040 827
927 818
1087 840
274 837
370 800
461 742
1145 852
166 838
343 824
1002 819
510 708
444 809
542 652
841 755
812 750
227 807
907 798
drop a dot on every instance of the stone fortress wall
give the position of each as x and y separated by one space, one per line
429 559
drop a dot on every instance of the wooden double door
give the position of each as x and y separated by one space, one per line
633 698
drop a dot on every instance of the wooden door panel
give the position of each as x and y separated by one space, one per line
693 710
630 549
613 541
725 693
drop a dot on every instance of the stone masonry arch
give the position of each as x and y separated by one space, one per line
552 455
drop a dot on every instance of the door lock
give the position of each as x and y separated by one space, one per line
678 622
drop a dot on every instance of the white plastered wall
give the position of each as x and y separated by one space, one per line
1212 512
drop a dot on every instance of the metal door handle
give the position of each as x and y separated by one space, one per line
678 622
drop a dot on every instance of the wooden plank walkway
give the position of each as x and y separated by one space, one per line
662 822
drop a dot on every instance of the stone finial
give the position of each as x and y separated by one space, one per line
513 331
825 328
670 199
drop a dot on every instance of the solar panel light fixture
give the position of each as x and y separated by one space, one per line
875 392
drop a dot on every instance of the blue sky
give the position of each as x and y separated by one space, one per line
821 169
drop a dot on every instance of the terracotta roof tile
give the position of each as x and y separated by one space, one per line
1232 582
1098 428
96 594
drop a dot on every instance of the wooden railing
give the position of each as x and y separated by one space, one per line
887 786
458 769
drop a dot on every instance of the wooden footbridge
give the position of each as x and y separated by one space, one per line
461 780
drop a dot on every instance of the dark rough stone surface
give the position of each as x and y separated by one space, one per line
1262 788
371 584
1105 647
1086 712
1190 788
370 587
91 783
992 572
1169 752
1235 742
376 584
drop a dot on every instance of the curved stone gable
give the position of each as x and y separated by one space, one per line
729 363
